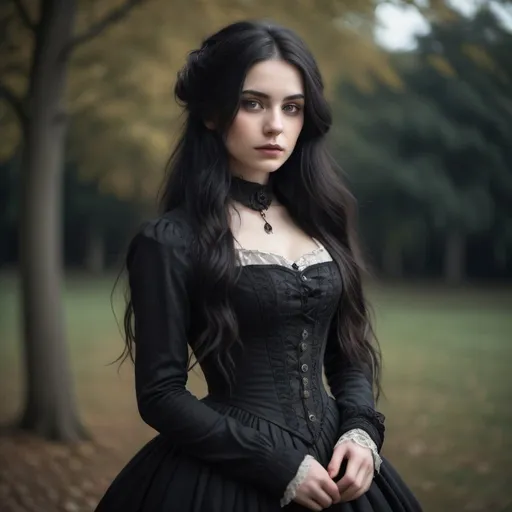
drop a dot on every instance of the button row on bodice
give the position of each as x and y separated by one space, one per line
306 393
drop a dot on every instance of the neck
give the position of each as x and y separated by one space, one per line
262 178
254 195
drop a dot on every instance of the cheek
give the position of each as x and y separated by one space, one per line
295 127
239 133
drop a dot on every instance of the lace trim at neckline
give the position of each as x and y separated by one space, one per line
314 252
259 257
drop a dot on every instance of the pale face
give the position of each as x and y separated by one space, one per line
271 113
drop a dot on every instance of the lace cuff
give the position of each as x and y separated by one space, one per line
364 418
362 438
291 489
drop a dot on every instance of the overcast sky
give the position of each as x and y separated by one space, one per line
399 24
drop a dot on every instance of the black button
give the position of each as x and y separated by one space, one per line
305 334
306 394
303 346
295 266
304 368
312 417
305 381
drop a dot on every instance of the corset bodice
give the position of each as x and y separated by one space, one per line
284 310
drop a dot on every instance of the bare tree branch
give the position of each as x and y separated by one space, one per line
23 13
97 28
16 104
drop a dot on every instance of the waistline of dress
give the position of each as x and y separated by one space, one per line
250 416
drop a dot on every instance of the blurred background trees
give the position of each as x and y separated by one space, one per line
106 115
87 122
432 155
86 104
34 82
421 134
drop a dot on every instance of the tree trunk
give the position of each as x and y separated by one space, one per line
454 257
50 410
94 250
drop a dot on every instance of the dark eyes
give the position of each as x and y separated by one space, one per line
251 105
292 108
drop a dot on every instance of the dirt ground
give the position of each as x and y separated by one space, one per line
42 476
38 476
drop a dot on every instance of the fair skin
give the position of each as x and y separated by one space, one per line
272 112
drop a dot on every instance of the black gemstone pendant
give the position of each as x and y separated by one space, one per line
253 195
267 227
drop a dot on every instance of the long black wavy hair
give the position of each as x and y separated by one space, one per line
310 186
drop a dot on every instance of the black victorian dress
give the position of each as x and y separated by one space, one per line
238 452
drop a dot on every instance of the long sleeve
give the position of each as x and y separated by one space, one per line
352 390
362 438
159 277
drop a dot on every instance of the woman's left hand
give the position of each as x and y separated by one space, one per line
359 473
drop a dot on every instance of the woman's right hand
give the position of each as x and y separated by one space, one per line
318 490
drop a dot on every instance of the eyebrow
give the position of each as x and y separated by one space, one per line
267 97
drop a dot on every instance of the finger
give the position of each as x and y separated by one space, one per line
350 476
311 504
337 457
349 493
331 489
365 487
322 498
361 485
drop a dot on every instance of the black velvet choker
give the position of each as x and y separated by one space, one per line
253 195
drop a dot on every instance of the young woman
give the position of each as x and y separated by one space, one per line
253 265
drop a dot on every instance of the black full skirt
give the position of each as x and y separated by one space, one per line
161 478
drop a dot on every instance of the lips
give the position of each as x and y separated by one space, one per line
271 147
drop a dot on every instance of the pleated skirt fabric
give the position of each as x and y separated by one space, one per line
161 478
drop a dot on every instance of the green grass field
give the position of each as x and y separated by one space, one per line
447 365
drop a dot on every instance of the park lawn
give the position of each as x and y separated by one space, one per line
447 355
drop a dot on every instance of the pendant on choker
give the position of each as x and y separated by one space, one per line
267 227
253 195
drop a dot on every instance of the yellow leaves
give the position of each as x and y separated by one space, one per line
365 67
219 16
158 85
435 10
124 184
141 56
119 182
479 56
82 93
369 81
442 65
483 60
391 78
15 48
154 140
120 84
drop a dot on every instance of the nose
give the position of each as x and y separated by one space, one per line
274 122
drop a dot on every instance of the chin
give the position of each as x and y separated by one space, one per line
259 168
270 167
